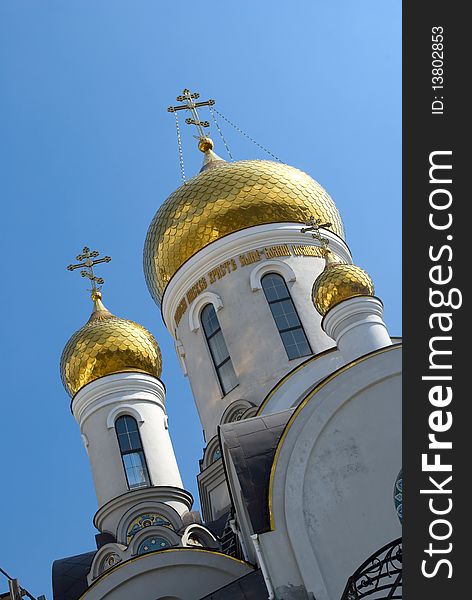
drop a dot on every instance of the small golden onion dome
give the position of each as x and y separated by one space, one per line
224 199
107 345
338 282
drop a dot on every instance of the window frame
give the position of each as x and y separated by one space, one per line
207 337
278 301
139 450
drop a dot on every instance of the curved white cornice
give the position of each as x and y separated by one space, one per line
232 245
198 304
122 387
123 409
170 568
269 266
130 499
352 313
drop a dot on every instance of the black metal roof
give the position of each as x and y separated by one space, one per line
252 444
69 576
217 527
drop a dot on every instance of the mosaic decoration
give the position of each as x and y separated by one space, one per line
152 543
225 199
147 520
398 495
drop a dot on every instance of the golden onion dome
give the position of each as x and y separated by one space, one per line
222 199
338 282
105 345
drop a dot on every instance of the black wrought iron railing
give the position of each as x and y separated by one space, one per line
379 577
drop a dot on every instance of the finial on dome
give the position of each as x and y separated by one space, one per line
100 311
210 159
205 144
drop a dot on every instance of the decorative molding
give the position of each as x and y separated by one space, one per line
123 409
170 560
270 266
148 495
231 412
209 451
119 387
198 304
97 567
203 535
352 313
232 245
150 506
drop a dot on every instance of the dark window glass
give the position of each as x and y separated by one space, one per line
218 350
285 316
132 453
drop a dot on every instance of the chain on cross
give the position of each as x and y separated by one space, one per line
315 225
190 104
87 260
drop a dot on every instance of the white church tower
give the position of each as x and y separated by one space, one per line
111 367
297 383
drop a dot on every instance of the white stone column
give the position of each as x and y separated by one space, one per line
96 408
357 326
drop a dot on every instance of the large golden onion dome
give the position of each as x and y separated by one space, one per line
338 282
222 199
107 345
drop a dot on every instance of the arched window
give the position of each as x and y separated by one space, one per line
132 453
218 350
285 316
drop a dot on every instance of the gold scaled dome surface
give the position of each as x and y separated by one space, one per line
224 199
105 345
339 282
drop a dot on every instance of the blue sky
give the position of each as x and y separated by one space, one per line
87 155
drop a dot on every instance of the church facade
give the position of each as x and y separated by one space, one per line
297 383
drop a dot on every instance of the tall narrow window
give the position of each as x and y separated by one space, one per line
132 453
285 316
218 350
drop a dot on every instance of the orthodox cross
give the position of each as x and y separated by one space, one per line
190 104
315 225
88 260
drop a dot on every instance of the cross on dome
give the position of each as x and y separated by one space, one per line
88 261
315 225
192 106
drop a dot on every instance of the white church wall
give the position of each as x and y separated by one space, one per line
99 404
257 352
291 389
185 574
332 486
